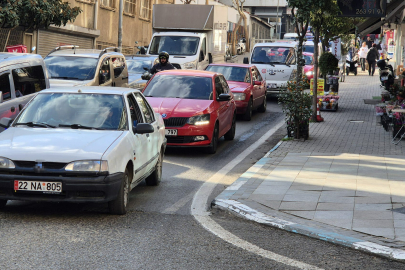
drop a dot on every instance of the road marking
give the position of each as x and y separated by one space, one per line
200 206
179 204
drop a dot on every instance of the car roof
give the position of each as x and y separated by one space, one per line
139 56
19 58
184 72
233 65
104 90
290 44
90 53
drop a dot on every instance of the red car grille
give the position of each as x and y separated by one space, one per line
175 121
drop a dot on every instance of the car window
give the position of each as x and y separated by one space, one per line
5 87
236 74
28 80
218 87
136 65
147 111
118 66
136 115
62 110
173 86
105 70
224 84
258 75
71 67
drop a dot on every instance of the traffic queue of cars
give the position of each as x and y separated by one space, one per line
76 138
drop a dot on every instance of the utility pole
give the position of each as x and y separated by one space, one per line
277 32
121 10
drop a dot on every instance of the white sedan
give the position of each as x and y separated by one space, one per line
88 144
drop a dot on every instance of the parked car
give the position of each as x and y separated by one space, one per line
71 66
87 144
247 86
309 65
197 107
21 77
136 65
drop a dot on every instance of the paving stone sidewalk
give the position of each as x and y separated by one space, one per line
348 177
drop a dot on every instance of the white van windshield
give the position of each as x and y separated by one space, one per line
273 55
176 45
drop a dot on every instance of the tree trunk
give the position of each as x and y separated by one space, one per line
247 45
234 40
315 85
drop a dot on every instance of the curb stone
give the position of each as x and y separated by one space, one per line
223 202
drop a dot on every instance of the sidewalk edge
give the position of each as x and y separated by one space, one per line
222 201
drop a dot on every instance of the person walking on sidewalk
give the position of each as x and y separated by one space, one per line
369 43
363 55
372 57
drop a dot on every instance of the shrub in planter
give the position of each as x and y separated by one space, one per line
296 105
328 63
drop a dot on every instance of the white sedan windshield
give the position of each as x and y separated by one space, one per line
75 111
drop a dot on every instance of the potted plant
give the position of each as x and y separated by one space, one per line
296 105
328 63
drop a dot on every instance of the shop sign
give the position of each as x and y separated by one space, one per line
321 87
363 8
336 48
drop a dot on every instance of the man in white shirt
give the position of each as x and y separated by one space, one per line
363 55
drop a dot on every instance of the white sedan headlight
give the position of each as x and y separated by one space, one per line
88 166
239 96
5 163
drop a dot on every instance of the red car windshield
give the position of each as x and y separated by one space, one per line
236 74
172 86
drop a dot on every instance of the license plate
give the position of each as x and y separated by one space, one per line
384 78
272 85
171 132
37 186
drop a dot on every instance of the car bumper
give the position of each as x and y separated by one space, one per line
74 189
186 136
241 106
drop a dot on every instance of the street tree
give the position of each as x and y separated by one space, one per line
238 5
34 14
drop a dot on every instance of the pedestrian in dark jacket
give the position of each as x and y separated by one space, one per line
372 57
163 64
369 43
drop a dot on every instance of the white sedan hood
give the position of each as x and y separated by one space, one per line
55 145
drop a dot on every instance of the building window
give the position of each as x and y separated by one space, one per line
108 3
130 7
146 9
86 1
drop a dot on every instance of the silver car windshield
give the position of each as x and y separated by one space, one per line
273 55
70 110
137 65
71 67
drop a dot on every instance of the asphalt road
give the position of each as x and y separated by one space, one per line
159 232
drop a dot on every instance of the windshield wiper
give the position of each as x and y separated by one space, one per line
36 124
149 96
78 126
67 78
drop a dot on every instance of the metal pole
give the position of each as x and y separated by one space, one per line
277 33
121 9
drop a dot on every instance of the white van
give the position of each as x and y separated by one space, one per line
22 75
277 63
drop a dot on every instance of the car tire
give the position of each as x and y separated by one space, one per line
3 204
249 110
230 135
155 178
212 149
119 205
262 108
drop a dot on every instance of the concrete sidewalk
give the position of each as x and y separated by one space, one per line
346 184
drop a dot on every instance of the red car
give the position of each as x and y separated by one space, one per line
309 64
247 86
197 107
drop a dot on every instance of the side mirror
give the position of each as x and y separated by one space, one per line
245 60
202 57
5 122
257 83
145 68
224 97
102 78
143 128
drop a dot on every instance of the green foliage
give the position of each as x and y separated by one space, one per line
296 105
33 14
328 63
